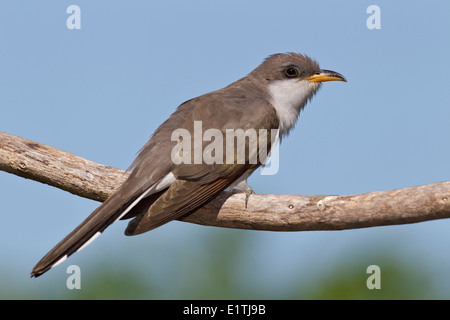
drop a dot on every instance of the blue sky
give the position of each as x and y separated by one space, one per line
99 92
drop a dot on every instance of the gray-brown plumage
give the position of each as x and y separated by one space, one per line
158 190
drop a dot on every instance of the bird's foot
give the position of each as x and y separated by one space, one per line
243 187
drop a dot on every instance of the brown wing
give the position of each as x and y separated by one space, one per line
197 184
182 198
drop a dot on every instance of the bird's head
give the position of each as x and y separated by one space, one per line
291 80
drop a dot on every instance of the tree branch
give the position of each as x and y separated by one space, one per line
95 181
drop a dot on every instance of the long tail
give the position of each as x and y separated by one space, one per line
113 209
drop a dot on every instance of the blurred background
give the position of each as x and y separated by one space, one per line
99 92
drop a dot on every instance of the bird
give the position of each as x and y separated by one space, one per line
161 188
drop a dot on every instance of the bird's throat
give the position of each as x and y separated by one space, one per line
289 97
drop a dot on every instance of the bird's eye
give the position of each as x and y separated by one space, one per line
291 72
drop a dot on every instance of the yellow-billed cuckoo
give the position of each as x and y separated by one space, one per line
159 190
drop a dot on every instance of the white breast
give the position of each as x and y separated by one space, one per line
289 97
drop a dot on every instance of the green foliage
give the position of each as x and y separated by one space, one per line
214 271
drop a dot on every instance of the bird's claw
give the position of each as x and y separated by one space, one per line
243 187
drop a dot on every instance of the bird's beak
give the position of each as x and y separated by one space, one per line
326 75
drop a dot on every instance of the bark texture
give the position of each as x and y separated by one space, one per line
95 181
